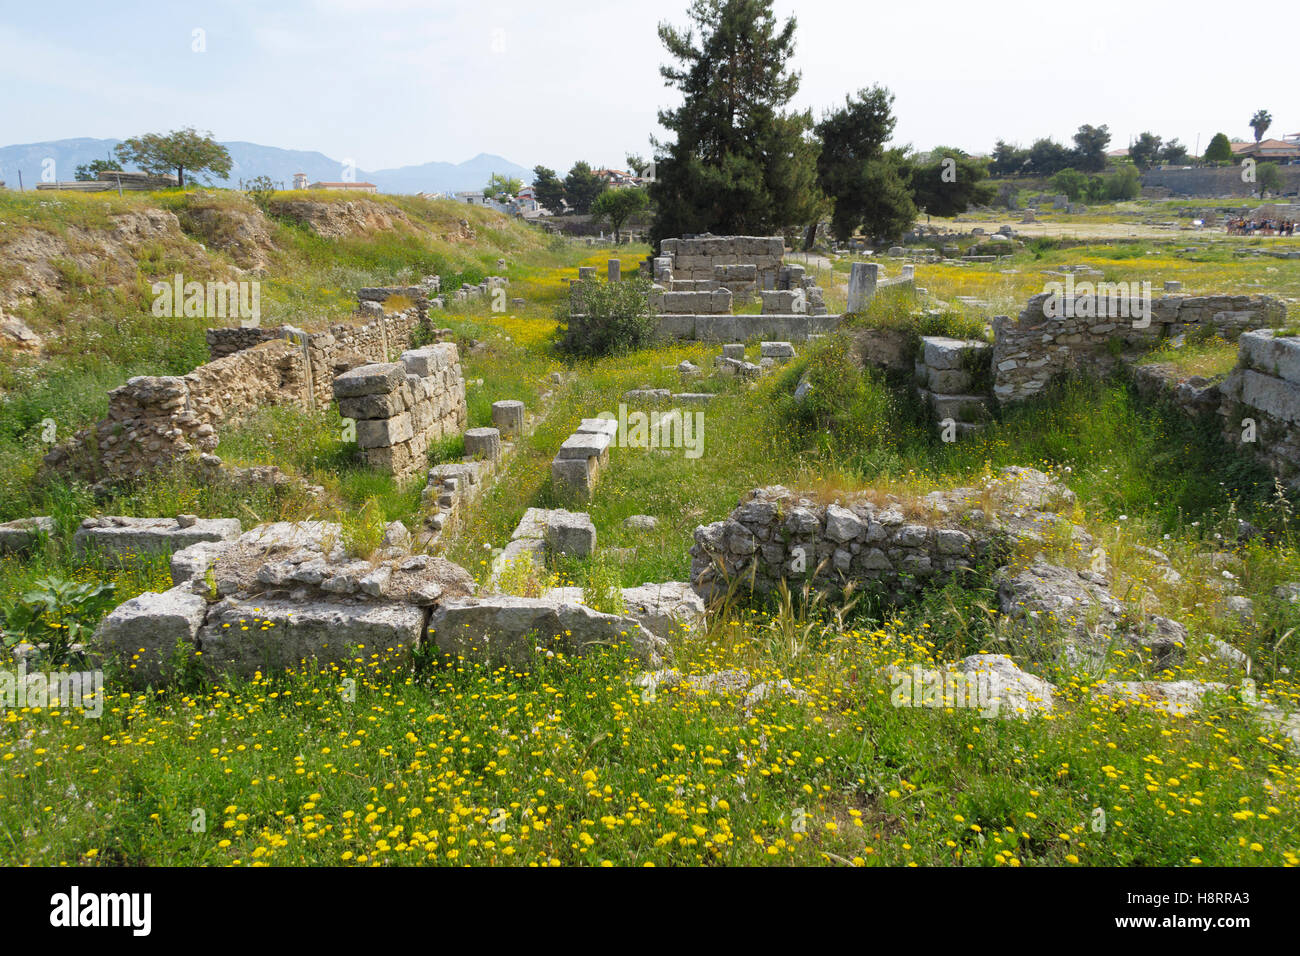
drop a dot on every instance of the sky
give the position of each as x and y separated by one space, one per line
388 83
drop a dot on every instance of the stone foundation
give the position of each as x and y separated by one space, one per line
402 407
1032 349
154 421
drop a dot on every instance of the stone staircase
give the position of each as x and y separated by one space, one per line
953 379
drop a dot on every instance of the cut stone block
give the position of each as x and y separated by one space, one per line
283 633
598 426
142 633
508 417
945 353
430 359
585 445
370 379
779 350
573 478
484 443
571 533
122 536
863 278
363 407
23 533
521 631
382 432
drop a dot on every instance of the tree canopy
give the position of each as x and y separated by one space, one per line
1260 123
502 187
616 206
1219 150
740 162
867 185
178 151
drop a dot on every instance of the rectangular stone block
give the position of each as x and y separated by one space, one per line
428 360
370 379
585 445
1270 354
383 405
598 426
1274 396
573 478
381 432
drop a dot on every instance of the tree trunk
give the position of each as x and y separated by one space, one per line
180 176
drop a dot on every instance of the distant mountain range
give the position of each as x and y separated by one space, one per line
251 159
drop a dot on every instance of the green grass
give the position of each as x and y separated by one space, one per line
570 761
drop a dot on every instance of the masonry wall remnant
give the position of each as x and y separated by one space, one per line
884 547
402 407
1033 348
155 420
1260 402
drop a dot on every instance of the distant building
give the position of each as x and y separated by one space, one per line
476 198
1268 149
349 187
299 180
616 178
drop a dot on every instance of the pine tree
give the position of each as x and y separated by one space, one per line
740 164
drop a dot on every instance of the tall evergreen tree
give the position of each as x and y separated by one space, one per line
740 163
867 183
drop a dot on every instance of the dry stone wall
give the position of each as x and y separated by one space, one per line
880 547
401 407
154 421
1033 348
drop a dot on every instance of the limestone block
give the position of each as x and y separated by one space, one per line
508 417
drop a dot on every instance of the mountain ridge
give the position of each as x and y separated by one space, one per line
57 160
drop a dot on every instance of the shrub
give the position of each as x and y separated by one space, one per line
56 612
615 317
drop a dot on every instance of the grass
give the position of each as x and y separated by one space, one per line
1212 358
573 760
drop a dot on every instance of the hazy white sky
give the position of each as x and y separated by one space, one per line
396 82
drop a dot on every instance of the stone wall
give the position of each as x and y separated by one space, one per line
228 341
1032 349
1214 181
701 258
743 328
155 420
1260 402
402 407
704 301
881 547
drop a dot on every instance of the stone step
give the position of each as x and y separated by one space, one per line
960 408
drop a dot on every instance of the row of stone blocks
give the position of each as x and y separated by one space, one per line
401 407
580 458
714 246
703 302
452 485
797 327
948 371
